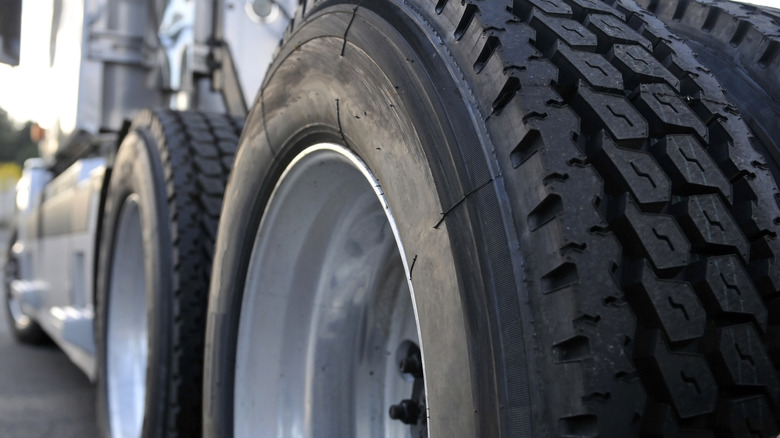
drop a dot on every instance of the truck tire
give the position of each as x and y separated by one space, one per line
573 208
739 43
23 328
160 219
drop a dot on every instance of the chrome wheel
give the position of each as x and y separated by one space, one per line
327 315
126 338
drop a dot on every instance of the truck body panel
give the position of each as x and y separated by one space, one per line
97 63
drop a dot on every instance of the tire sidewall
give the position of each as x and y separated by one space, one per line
393 103
137 170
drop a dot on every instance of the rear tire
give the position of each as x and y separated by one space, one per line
587 232
23 328
161 212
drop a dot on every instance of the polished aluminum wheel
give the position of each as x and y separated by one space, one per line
126 338
327 313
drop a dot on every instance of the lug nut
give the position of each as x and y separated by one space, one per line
408 412
411 365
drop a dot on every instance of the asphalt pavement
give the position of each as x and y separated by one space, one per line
42 394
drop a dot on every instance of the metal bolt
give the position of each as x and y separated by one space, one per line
262 8
408 412
411 365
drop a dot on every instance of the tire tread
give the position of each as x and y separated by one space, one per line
197 151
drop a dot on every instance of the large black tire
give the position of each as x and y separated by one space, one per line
170 172
740 44
570 186
23 328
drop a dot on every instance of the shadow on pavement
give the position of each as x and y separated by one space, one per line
42 394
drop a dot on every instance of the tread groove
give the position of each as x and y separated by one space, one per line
679 12
491 45
465 21
712 19
769 54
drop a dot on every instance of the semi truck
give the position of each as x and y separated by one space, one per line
390 218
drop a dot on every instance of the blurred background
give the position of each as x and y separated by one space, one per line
15 147
42 394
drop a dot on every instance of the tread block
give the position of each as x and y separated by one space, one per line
683 379
625 123
767 275
708 221
612 30
227 161
205 150
725 288
550 29
681 61
211 185
657 236
592 67
582 8
550 7
641 67
691 168
672 305
739 358
208 166
211 204
636 170
521 58
667 112
742 417
756 220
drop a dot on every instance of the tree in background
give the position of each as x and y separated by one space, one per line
15 143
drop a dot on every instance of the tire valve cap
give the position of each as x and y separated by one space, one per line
407 412
411 365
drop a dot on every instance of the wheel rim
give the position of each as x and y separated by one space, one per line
327 313
11 273
126 337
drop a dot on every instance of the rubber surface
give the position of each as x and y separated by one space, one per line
613 229
739 43
680 176
177 162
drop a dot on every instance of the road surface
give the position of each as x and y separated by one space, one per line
41 393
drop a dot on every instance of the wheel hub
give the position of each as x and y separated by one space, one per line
325 307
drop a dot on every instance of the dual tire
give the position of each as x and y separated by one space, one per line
506 218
